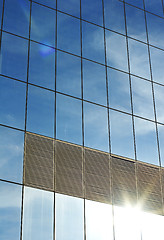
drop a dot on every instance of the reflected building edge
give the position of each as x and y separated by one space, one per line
81 119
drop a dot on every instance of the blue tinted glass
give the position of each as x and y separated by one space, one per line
14 56
68 40
142 98
40 111
139 59
161 142
157 60
146 141
68 78
116 56
11 154
42 65
49 3
137 3
43 24
93 42
1 9
159 102
10 211
12 102
92 11
70 6
38 214
121 134
154 6
96 127
114 15
69 119
94 82
69 222
16 17
119 90
136 23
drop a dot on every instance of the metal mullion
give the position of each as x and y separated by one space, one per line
3 8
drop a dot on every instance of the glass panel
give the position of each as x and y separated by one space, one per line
68 78
94 80
37 214
12 102
114 15
137 3
136 23
70 6
155 30
69 119
92 11
40 111
157 59
119 90
139 59
116 56
99 222
161 142
154 6
1 8
16 17
69 217
121 134
11 154
10 211
68 40
43 24
49 3
142 98
159 102
93 42
146 141
126 223
42 65
96 127
13 61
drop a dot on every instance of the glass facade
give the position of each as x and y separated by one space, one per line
81 119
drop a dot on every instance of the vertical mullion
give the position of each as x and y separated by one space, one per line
3 7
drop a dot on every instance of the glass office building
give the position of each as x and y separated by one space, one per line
81 119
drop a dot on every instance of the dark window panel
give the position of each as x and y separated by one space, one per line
70 6
40 111
69 119
14 56
12 102
43 24
16 17
42 66
94 82
68 78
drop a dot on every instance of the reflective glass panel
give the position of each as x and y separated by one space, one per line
114 15
12 102
116 56
99 222
142 98
49 3
13 61
43 24
161 142
119 90
42 65
68 33
10 211
70 6
69 212
137 3
121 134
69 119
1 9
93 42
154 6
94 82
139 60
157 59
146 141
40 111
92 11
96 127
68 78
11 154
126 223
38 214
16 17
136 23
159 102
